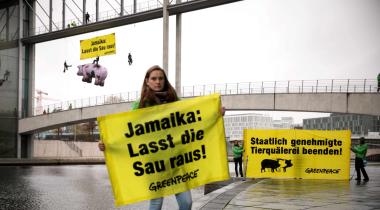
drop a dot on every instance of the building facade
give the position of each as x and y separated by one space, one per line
16 78
235 124
358 124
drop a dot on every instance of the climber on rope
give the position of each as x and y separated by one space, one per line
130 61
96 61
65 67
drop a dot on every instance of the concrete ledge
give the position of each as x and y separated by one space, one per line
50 161
220 198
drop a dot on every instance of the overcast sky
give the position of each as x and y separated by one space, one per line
246 41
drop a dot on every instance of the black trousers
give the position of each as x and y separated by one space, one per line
359 166
238 161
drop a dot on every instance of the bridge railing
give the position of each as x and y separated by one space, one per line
103 15
264 87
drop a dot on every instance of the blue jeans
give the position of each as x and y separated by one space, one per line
183 199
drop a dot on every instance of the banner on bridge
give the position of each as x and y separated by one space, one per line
98 46
307 154
166 149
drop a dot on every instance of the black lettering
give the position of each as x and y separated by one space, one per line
153 146
131 133
139 129
163 144
143 149
179 119
165 123
197 154
136 166
130 150
190 117
152 125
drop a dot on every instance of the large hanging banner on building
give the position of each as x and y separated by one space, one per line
98 46
307 154
165 149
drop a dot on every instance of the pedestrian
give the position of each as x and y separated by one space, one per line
360 154
87 17
378 82
237 150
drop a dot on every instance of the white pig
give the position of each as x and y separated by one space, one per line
90 70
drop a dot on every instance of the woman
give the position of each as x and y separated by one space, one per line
238 150
157 90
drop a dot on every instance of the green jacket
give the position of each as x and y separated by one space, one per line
135 104
360 150
237 150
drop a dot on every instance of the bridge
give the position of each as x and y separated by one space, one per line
334 96
331 96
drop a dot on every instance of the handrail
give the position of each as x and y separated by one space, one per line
105 15
242 88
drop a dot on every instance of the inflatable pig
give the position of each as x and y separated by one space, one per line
90 70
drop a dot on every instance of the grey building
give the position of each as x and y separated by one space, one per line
358 124
235 124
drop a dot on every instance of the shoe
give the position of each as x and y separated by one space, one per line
366 180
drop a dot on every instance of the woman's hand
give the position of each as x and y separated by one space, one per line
101 146
222 110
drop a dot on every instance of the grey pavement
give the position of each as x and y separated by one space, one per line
297 194
238 193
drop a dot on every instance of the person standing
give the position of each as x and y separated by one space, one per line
378 82
87 17
360 154
237 150
156 90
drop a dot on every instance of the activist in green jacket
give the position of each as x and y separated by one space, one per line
237 150
360 154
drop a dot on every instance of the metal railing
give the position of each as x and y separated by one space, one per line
264 87
106 15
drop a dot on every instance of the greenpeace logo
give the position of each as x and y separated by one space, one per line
322 170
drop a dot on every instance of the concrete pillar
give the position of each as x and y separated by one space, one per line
134 6
178 54
19 92
63 14
84 12
7 24
165 53
97 10
121 7
50 15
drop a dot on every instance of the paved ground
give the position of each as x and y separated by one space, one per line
284 194
297 194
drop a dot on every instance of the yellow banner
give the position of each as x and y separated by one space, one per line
307 154
98 46
165 149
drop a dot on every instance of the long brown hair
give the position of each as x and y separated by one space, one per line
148 96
